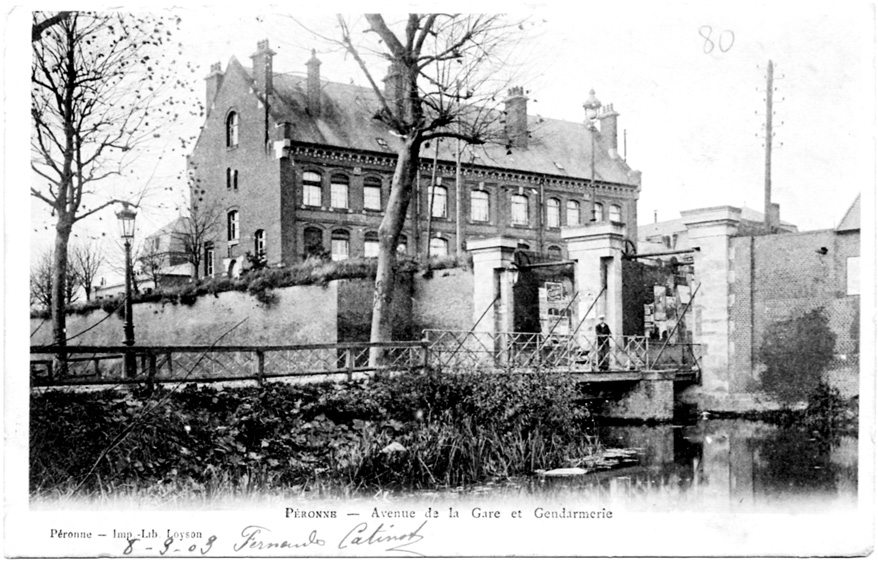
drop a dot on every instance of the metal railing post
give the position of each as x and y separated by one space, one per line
425 354
349 363
260 367
151 369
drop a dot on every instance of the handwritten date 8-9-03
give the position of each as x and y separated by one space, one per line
170 546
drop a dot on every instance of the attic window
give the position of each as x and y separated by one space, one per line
381 142
560 167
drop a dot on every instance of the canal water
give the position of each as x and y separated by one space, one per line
719 464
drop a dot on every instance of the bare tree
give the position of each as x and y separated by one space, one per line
40 26
101 90
151 263
41 282
194 233
442 83
86 260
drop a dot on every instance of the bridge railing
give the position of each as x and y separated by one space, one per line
457 350
105 365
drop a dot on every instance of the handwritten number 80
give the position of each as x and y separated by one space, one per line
726 39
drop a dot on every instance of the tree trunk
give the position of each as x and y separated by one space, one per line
59 291
388 238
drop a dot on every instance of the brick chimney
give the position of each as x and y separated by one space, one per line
263 71
609 131
313 87
516 117
212 83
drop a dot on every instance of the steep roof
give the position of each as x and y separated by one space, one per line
174 226
556 148
851 219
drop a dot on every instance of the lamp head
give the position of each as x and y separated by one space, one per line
126 217
592 105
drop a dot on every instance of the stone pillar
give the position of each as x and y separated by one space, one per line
492 277
597 249
710 231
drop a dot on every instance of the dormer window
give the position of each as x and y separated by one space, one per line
381 142
232 130
559 166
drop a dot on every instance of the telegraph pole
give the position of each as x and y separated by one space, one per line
769 89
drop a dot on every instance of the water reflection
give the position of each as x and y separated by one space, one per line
731 463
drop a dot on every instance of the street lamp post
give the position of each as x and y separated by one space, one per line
592 105
126 218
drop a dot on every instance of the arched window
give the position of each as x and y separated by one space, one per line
402 247
372 193
313 238
259 243
522 246
338 191
555 252
598 212
439 200
480 210
520 209
233 225
234 269
341 245
572 213
370 245
615 213
438 247
232 129
208 259
312 186
553 213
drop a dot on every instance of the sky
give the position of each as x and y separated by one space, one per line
688 80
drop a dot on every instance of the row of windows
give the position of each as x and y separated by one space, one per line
480 208
339 189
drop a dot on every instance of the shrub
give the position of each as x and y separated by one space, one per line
795 353
446 430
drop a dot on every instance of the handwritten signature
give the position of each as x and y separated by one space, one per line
257 537
363 535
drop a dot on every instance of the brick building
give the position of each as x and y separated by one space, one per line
299 166
751 283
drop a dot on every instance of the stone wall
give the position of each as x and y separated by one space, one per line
444 302
341 311
304 314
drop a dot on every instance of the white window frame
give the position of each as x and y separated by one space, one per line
438 247
340 246
371 247
438 201
233 225
519 210
339 192
259 242
209 259
574 212
480 206
371 196
615 214
232 121
312 189
553 213
598 212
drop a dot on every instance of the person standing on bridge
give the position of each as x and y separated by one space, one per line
603 341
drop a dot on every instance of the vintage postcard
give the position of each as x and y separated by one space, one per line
476 281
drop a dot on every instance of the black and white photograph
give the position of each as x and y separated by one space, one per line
477 280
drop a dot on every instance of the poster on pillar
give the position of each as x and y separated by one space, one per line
659 293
